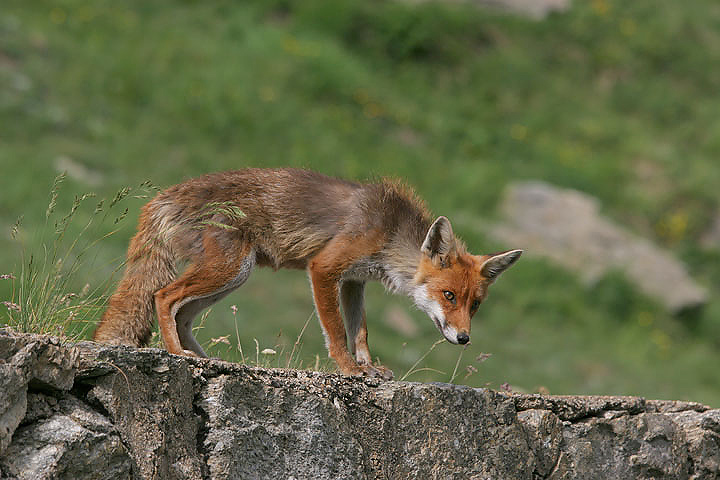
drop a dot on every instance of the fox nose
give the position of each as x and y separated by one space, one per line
463 338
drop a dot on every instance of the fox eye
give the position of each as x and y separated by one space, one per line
475 305
450 296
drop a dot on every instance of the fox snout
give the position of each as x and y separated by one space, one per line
455 336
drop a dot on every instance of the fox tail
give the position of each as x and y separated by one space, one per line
150 266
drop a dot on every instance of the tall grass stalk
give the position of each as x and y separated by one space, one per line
49 292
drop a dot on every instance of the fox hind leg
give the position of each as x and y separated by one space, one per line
187 313
211 278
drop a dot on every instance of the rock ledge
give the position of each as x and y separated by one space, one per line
94 411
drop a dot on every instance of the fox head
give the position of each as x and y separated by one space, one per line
450 284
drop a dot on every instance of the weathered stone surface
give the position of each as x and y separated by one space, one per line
702 434
533 8
129 413
443 431
313 441
544 433
537 9
711 238
643 446
577 407
36 360
673 406
566 226
13 402
70 440
338 428
149 397
44 360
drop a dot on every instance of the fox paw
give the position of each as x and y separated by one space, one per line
382 372
371 371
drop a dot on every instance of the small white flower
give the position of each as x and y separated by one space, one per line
12 306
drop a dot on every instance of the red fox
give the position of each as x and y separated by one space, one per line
343 233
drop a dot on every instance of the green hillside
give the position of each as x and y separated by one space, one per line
617 99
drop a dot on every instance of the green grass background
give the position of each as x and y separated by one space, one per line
617 99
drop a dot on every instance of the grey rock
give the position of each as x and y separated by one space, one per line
44 360
567 227
36 360
578 407
443 431
702 434
130 413
340 428
643 446
74 441
149 397
13 402
537 9
711 238
673 406
313 441
77 171
544 433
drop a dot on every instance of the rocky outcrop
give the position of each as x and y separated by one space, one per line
92 411
711 238
567 227
536 9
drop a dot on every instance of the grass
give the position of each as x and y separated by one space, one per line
613 98
52 293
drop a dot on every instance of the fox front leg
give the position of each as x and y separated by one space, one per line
325 271
325 293
352 295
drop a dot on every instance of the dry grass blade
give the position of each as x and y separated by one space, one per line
452 377
412 369
296 345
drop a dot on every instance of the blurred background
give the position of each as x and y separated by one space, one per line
585 132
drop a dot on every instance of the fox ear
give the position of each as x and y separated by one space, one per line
439 242
498 263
